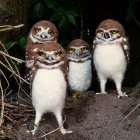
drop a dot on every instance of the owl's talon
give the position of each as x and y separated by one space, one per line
122 95
32 132
64 131
28 131
101 93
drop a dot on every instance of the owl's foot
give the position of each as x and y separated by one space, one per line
28 131
64 131
32 131
101 93
122 94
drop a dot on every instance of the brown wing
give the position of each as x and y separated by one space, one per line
64 68
30 74
94 45
29 59
125 45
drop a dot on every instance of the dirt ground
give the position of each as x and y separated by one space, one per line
90 117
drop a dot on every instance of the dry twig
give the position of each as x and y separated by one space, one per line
13 72
8 62
10 106
10 27
130 113
5 79
2 104
14 58
54 129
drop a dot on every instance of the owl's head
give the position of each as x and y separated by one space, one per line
78 49
47 55
109 31
43 31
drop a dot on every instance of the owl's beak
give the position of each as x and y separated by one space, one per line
106 35
43 35
78 52
49 57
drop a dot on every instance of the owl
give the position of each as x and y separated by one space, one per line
48 81
42 32
111 54
80 65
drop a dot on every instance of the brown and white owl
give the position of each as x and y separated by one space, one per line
42 32
111 54
80 65
48 81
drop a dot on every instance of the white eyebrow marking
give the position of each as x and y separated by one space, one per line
78 47
108 29
47 29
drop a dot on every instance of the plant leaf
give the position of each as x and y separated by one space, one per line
58 14
9 45
71 19
50 4
74 14
63 24
38 10
23 42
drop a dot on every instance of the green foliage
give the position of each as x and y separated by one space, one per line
8 45
22 42
63 16
9 65
133 9
51 4
16 46
38 10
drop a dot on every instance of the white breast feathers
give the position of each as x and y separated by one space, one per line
109 59
80 75
48 90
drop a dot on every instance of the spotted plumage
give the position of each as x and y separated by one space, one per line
111 53
80 65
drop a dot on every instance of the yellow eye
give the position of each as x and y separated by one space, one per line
100 31
41 53
50 32
72 49
58 53
113 31
84 48
37 30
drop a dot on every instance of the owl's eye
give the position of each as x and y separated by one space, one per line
72 49
113 31
40 53
58 53
37 30
50 32
100 31
84 49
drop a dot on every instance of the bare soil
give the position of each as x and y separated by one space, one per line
90 117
